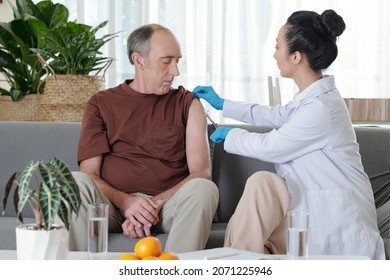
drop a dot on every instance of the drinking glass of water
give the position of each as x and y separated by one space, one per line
297 224
97 231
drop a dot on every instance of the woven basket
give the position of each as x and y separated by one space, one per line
25 109
65 96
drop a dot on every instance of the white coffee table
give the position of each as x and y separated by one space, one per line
223 253
72 255
226 253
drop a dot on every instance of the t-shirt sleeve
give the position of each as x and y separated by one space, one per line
93 136
188 96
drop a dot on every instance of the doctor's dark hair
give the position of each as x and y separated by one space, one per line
315 36
138 40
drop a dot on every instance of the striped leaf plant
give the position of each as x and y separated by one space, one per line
48 188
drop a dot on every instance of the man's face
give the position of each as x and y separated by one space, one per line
161 65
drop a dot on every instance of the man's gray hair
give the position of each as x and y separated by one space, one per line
139 40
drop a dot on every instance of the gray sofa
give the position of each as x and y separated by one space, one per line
25 141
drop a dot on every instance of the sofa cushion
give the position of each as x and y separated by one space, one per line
26 141
374 144
384 225
230 173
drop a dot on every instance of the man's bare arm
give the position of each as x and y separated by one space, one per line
197 151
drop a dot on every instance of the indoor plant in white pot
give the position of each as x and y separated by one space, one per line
54 195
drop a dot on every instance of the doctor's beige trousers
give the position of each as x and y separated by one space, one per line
259 221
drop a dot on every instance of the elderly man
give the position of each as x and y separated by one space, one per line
144 151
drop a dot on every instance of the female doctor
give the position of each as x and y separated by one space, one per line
314 148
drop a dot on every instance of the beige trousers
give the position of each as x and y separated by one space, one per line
187 216
258 223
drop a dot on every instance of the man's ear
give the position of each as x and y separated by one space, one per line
138 60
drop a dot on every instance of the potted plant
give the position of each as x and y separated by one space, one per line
71 53
73 49
18 63
54 195
68 49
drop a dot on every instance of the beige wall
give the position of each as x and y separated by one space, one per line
5 16
6 11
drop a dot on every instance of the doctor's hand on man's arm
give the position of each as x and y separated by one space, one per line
208 94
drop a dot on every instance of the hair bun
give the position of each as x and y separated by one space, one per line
333 23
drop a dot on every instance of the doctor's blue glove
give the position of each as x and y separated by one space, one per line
220 134
208 94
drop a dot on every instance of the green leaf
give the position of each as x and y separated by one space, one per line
25 192
27 7
100 26
8 61
53 15
27 173
68 187
8 187
16 203
36 27
3 91
63 214
50 200
24 197
48 174
15 94
7 40
23 35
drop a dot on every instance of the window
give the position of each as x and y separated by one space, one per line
229 44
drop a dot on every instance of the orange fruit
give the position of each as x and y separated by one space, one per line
168 256
148 258
147 246
128 256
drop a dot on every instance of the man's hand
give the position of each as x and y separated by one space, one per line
134 231
208 94
141 214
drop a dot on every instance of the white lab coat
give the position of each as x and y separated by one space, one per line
314 147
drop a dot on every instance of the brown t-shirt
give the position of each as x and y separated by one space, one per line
141 137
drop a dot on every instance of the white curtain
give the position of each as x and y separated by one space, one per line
229 44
